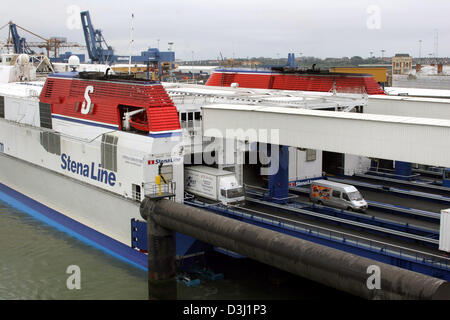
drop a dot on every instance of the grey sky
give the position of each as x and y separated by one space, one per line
322 28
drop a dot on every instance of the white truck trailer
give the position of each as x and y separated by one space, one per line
213 184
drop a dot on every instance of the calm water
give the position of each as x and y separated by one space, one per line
34 258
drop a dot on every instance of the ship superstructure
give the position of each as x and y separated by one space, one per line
284 78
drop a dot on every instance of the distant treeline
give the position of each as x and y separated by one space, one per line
307 61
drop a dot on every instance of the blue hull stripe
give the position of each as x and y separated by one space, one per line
165 135
153 135
72 227
86 122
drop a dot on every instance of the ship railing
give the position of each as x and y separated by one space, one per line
156 191
191 124
261 192
387 173
352 240
187 81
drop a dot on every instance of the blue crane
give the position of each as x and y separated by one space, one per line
95 41
291 61
20 44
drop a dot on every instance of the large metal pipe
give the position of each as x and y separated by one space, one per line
331 267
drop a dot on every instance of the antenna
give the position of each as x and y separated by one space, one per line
436 43
131 43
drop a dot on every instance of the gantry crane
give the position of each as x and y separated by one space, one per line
20 45
95 41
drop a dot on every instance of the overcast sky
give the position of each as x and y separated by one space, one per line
246 28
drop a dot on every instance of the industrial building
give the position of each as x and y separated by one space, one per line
401 63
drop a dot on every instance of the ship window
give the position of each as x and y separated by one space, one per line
136 192
45 114
2 107
190 119
311 155
198 116
183 116
51 142
1 148
109 152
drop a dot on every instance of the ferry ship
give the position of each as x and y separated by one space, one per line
80 149
289 78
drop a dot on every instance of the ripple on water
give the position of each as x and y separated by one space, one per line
34 258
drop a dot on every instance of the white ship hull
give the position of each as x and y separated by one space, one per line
95 216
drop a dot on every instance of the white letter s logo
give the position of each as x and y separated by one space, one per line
87 104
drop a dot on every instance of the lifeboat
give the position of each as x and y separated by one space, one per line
139 122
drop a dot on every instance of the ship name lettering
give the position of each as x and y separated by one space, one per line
92 171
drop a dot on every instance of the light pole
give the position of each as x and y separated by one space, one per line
420 50
382 53
192 66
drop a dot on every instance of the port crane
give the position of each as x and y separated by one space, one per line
21 45
100 52
95 42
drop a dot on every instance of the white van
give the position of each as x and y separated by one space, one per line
339 195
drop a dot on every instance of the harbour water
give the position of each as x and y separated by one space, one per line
34 258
